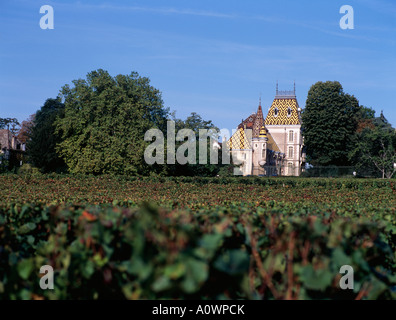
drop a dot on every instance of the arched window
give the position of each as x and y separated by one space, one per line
291 152
291 134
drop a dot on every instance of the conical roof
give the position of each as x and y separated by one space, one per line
258 122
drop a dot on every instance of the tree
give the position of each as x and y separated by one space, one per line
11 124
374 152
105 121
25 131
196 123
43 139
193 122
329 122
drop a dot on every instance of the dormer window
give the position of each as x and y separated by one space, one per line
276 112
289 112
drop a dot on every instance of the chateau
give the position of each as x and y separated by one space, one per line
271 145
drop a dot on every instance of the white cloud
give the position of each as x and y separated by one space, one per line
157 10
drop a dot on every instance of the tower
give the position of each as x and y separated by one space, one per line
259 143
283 121
260 153
271 145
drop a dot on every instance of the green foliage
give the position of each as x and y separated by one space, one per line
9 123
193 122
28 170
3 163
329 123
196 123
105 122
374 150
43 138
198 238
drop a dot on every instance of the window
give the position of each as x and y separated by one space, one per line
291 152
289 112
291 136
263 154
244 156
276 111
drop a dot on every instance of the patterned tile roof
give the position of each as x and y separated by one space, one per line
283 111
239 141
248 122
258 122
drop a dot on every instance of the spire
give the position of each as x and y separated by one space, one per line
260 100
258 122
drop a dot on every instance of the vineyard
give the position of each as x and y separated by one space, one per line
110 237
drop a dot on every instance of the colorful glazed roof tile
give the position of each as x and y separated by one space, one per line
258 122
239 140
283 111
248 122
263 133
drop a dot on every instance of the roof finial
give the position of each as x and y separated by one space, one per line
276 87
294 87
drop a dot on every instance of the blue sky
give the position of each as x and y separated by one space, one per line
210 57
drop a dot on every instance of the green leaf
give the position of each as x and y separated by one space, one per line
26 228
25 294
196 274
339 258
316 279
138 268
30 239
161 284
88 269
233 262
175 271
209 244
277 263
25 268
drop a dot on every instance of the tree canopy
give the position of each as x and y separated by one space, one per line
105 121
374 144
43 139
9 123
25 131
195 122
330 120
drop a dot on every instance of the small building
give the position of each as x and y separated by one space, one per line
272 145
9 142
